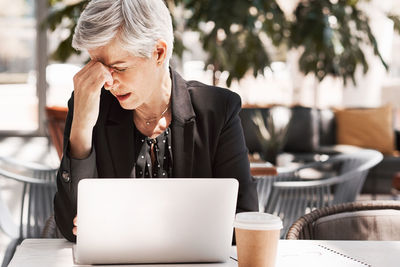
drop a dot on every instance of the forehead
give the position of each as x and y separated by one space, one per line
111 54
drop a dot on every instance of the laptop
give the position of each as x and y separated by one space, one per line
122 221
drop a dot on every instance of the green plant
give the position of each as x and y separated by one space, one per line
396 22
66 15
234 43
332 35
329 33
272 132
233 39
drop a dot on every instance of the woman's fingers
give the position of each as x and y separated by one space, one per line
109 81
74 230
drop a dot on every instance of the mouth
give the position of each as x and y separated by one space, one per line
123 97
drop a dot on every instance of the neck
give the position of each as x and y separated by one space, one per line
159 102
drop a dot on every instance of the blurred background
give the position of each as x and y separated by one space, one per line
319 54
313 53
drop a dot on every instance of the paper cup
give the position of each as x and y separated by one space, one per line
257 236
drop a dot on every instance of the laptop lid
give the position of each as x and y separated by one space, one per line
155 220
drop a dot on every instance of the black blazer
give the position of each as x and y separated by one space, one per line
207 141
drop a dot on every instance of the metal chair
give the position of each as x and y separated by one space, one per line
265 182
345 176
367 220
39 187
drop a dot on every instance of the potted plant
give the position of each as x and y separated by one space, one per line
272 131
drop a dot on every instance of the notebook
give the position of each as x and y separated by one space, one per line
124 221
315 255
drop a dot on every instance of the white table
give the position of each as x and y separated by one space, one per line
58 253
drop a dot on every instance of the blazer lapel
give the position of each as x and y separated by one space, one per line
120 131
182 127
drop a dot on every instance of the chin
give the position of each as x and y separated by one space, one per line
128 105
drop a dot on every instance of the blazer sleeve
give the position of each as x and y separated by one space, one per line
231 157
71 171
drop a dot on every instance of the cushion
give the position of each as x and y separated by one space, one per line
359 225
367 128
303 130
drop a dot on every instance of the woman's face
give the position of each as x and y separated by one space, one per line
135 79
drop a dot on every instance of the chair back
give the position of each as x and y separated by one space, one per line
56 117
353 172
51 230
39 187
298 196
368 220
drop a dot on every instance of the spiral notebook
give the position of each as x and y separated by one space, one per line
313 255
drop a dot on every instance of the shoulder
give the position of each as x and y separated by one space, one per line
207 97
199 89
203 101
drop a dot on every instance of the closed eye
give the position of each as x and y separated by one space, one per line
119 69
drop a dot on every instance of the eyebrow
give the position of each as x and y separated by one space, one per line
112 64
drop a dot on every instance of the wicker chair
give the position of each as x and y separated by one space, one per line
353 223
39 187
345 176
50 229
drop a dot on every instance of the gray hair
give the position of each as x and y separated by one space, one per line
138 25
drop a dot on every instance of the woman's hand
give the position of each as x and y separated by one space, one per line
75 229
87 89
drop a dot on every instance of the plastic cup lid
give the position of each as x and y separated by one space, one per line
257 221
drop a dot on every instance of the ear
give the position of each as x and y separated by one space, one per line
160 52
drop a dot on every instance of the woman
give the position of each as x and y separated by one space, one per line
132 116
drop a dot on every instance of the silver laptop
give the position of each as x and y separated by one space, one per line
155 220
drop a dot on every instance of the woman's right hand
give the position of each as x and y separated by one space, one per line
87 89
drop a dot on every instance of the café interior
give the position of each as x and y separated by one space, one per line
319 82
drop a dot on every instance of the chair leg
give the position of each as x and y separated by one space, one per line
8 255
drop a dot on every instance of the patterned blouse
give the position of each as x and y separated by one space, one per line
154 158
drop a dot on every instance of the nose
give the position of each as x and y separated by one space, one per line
109 87
115 80
115 85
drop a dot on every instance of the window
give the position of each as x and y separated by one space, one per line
19 102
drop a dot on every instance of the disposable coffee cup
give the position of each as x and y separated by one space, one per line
257 236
